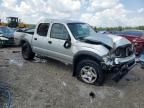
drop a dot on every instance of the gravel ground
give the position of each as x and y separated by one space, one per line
49 84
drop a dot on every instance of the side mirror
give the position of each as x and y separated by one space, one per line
67 43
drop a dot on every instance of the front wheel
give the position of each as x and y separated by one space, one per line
90 72
27 52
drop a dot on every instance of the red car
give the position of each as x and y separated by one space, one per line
136 37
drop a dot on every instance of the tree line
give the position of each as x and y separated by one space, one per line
119 28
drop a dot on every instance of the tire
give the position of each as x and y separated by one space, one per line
92 70
27 52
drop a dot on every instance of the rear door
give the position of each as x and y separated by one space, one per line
40 39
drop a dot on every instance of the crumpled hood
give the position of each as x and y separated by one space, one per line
109 40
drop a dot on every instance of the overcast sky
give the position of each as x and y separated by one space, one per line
94 12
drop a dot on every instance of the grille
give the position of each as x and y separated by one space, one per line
124 51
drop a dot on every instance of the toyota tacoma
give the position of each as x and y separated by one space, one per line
73 42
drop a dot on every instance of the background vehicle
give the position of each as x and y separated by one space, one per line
20 33
7 33
76 43
15 22
103 32
136 37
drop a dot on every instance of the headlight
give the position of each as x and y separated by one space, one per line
3 38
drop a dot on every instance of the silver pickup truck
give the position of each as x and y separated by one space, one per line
76 43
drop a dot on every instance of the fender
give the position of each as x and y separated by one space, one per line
85 54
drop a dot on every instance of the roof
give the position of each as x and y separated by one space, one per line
46 20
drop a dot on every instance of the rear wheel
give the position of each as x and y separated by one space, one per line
27 52
90 72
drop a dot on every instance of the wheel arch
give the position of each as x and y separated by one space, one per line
23 41
85 55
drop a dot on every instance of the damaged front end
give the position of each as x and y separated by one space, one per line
120 60
121 56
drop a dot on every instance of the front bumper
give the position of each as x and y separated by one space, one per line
120 66
122 70
124 60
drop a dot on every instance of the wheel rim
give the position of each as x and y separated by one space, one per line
88 74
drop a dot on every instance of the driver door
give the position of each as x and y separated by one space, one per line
58 36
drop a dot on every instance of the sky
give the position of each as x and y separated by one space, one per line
101 13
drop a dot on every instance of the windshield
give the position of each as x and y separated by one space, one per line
81 30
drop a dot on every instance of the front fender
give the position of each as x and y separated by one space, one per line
88 53
85 55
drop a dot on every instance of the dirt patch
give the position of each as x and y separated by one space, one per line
48 83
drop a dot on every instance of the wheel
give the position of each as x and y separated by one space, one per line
27 52
90 72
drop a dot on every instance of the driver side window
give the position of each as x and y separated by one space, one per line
59 31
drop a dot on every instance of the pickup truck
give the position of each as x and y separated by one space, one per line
73 42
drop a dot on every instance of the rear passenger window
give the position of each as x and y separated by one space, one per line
43 29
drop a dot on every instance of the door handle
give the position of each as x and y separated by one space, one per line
35 38
50 42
